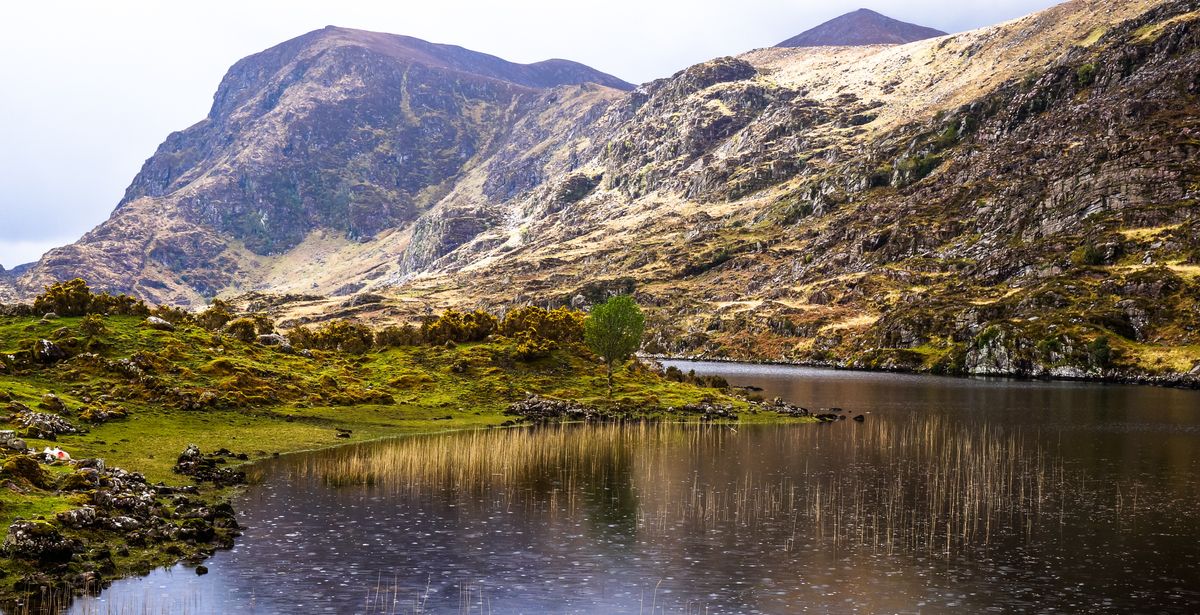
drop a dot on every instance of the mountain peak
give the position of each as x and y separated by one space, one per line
861 27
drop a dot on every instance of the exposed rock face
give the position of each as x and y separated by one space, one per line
862 27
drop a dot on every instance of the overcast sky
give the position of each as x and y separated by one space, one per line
91 88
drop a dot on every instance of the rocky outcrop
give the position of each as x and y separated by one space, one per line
206 468
44 426
39 541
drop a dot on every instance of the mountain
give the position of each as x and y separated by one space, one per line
338 131
862 27
1020 199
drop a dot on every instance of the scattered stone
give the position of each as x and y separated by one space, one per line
49 316
710 412
536 408
79 518
159 324
860 418
780 406
102 414
204 468
44 426
80 480
10 441
201 570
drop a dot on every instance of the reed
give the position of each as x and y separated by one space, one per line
918 486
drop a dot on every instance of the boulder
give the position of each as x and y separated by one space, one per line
363 299
24 470
51 402
79 518
158 324
272 339
193 463
537 408
47 352
40 541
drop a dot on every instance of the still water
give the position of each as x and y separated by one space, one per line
952 495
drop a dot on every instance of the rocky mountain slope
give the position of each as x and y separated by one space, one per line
1017 199
861 27
338 131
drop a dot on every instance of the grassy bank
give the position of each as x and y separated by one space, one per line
165 389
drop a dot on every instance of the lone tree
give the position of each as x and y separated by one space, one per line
613 330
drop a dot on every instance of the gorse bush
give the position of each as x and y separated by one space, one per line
75 298
532 346
557 325
341 335
243 329
394 337
459 327
713 381
216 316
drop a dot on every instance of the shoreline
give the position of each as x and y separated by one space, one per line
1175 380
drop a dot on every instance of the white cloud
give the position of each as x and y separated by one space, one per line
20 252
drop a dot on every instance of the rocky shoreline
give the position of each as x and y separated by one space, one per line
1190 380
125 525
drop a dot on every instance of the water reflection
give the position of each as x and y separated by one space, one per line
954 495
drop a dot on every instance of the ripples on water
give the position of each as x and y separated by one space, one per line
907 512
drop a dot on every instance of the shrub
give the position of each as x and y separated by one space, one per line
302 337
455 326
216 316
75 298
392 337
71 298
1100 352
1085 75
171 314
1087 256
92 326
557 325
346 336
532 346
263 324
243 329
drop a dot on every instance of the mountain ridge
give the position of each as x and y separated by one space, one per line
996 201
861 27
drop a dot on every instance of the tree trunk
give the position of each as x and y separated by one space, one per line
609 364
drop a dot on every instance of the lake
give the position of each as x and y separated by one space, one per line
952 495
